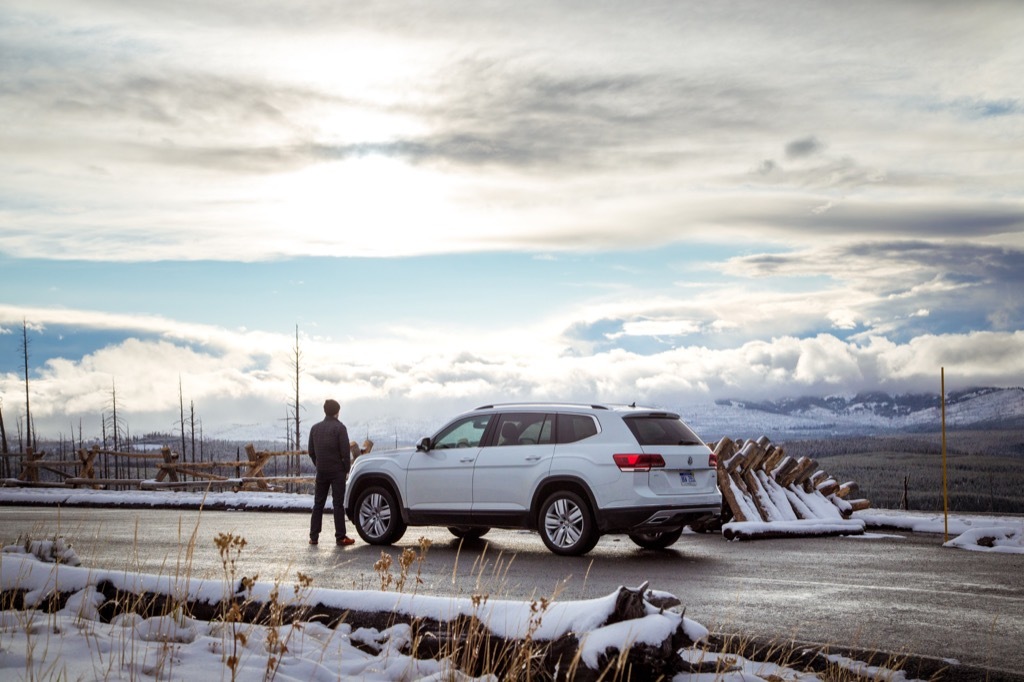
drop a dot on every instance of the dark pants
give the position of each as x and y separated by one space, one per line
335 483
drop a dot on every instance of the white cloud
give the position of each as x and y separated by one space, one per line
843 318
240 381
827 360
657 328
886 285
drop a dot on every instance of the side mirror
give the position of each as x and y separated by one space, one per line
423 445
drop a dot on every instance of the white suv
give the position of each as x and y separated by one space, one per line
570 472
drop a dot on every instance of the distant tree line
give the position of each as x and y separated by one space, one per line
1002 442
984 469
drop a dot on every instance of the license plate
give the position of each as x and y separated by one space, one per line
687 478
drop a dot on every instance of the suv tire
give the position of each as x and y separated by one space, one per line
656 540
378 518
566 524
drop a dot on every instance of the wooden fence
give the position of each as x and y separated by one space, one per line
169 472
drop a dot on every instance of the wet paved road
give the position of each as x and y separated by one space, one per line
890 592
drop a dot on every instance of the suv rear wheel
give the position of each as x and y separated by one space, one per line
378 518
567 525
658 540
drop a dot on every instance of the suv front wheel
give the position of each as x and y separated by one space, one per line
567 525
378 518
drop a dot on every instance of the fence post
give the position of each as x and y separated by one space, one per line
945 481
88 460
167 467
30 467
256 464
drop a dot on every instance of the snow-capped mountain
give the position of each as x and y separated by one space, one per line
861 414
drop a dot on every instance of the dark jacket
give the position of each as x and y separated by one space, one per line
329 447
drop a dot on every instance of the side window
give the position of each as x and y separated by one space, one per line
547 434
575 427
465 433
525 428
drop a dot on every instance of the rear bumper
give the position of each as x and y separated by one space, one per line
652 518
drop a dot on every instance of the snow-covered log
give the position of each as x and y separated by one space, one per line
846 488
731 494
632 633
789 529
859 505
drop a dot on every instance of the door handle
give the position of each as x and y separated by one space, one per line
532 459
466 460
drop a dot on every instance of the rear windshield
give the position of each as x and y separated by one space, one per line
661 430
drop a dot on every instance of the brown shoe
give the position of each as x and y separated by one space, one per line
346 541
314 541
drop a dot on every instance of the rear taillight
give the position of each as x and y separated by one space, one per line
712 461
638 462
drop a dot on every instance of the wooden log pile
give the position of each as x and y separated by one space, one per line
770 494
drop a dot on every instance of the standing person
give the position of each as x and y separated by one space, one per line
329 450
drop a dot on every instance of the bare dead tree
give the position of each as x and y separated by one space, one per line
3 431
114 424
297 359
3 444
288 436
192 427
103 432
28 410
181 421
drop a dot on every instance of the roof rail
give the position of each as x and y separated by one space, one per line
541 405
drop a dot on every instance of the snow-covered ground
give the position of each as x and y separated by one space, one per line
69 497
980 533
73 643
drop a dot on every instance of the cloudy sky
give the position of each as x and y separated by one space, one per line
463 202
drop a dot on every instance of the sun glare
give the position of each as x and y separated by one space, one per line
353 66
368 206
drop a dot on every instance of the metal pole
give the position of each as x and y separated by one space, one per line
945 490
